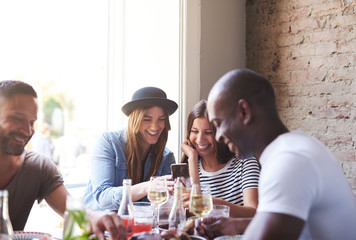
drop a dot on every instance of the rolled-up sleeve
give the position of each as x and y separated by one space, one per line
168 160
106 191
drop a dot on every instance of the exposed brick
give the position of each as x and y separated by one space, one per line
336 62
296 64
304 25
346 47
284 17
327 35
307 3
348 156
331 113
308 77
342 126
334 142
344 21
343 74
316 62
339 101
283 6
325 48
329 88
299 14
289 40
303 50
306 49
283 28
308 125
327 9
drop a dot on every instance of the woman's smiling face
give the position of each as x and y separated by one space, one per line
152 125
202 137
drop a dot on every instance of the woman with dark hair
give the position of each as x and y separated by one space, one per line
233 181
137 153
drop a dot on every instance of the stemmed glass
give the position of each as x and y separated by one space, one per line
158 195
201 201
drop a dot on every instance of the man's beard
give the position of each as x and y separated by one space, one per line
7 147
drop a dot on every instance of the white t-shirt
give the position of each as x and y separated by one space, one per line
301 177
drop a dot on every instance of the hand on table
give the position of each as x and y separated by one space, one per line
103 221
214 227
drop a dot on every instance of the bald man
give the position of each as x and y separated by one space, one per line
303 193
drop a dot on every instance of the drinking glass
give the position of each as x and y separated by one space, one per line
157 195
201 202
219 211
143 217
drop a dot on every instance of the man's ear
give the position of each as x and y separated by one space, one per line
244 111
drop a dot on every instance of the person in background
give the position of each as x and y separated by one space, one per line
41 141
233 181
137 152
27 175
303 192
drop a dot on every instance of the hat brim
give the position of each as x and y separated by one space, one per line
168 105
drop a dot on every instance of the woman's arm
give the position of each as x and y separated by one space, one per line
139 190
250 197
192 155
107 189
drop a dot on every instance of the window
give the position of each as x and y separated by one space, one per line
85 59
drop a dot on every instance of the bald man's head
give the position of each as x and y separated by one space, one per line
239 103
244 84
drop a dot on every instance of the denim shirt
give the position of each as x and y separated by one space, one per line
108 169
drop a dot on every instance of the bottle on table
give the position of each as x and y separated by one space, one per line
177 217
76 224
6 231
126 209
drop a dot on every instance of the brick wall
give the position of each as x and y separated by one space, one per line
307 49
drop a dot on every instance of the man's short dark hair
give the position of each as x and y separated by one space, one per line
8 88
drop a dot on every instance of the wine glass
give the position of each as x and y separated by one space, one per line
201 201
157 194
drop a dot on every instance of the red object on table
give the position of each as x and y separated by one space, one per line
129 223
142 227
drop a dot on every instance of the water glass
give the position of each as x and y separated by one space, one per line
219 211
143 217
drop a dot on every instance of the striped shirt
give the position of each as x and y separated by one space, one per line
229 182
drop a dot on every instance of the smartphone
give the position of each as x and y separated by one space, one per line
180 170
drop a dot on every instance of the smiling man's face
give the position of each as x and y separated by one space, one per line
17 117
218 115
224 114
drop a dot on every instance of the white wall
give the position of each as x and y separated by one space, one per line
222 40
213 42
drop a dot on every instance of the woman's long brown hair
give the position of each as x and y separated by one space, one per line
223 154
133 151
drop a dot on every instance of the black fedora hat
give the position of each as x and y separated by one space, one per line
148 97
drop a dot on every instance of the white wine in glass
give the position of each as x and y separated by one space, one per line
157 194
158 197
201 202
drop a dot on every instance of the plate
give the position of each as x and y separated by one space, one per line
195 237
235 237
20 235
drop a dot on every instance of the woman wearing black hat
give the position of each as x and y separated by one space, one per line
138 152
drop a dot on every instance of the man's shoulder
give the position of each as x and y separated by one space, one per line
292 143
36 160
